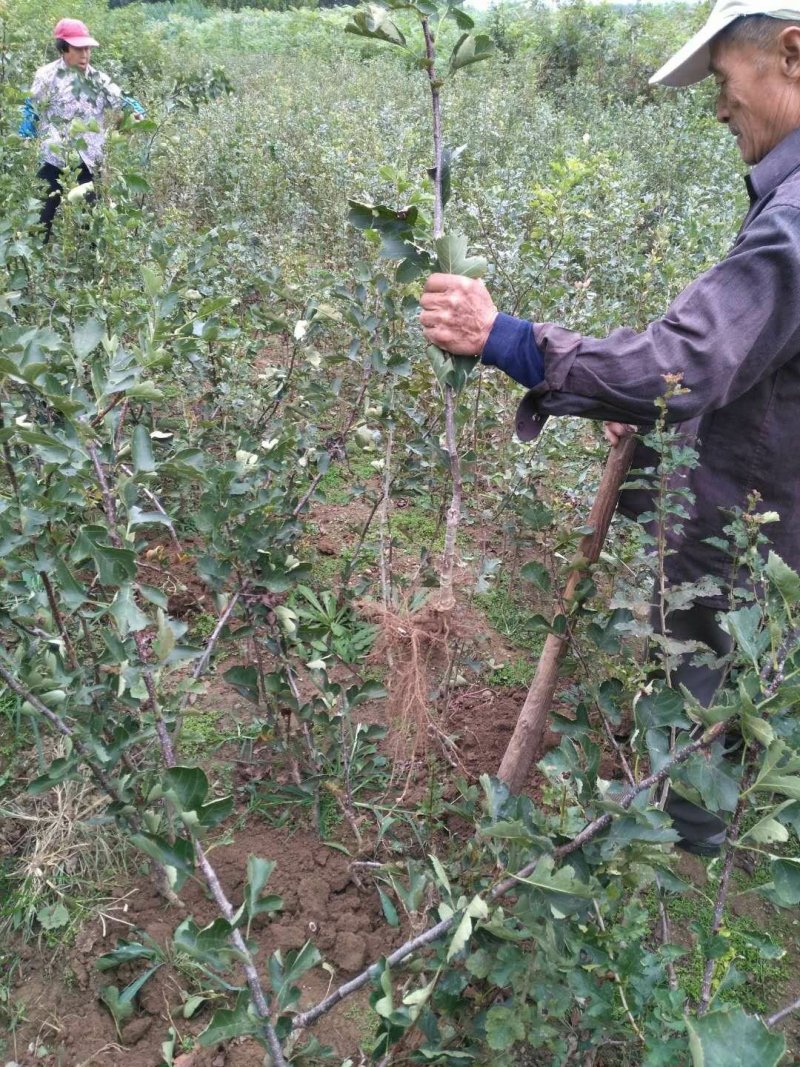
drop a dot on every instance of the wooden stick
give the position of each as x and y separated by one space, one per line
525 743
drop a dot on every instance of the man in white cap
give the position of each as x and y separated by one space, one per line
66 90
733 336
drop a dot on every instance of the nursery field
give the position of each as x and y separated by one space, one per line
275 576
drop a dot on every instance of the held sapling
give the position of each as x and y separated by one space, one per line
418 641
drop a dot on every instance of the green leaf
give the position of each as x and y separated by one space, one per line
52 917
733 1039
86 337
714 777
461 18
389 910
284 975
744 626
125 952
121 1010
129 618
297 963
560 887
757 728
144 391
766 947
786 878
504 1027
451 253
441 874
538 574
258 874
781 576
450 370
72 592
209 945
768 829
786 784
142 451
662 707
121 1004
227 1024
461 936
165 639
245 681
374 21
59 771
153 282
114 565
396 222
381 999
188 787
192 1004
178 854
470 48
449 156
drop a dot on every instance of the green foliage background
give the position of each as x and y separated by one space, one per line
208 350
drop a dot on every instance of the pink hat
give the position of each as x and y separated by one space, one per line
74 32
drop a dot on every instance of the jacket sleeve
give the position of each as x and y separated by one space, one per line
733 326
110 93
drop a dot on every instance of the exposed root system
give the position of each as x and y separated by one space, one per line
417 648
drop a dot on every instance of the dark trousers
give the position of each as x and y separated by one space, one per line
53 175
696 825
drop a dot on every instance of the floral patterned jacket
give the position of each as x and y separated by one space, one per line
62 95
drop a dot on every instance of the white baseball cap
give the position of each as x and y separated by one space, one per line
691 63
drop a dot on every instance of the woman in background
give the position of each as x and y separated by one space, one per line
66 90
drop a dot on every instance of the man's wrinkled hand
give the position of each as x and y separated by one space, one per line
457 314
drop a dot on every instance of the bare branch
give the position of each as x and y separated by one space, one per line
588 833
725 878
202 663
776 1018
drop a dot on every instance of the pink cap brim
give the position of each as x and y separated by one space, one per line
81 42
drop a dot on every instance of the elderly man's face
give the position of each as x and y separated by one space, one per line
757 101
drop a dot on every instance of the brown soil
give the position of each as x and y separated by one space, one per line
482 720
322 903
65 1025
172 567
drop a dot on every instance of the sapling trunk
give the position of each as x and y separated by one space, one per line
446 600
385 548
418 643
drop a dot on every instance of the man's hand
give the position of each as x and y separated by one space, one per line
457 314
614 432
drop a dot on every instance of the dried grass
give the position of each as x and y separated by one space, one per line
55 844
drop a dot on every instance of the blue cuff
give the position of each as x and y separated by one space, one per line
512 347
130 103
30 120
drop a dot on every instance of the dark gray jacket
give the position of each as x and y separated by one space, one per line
734 336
